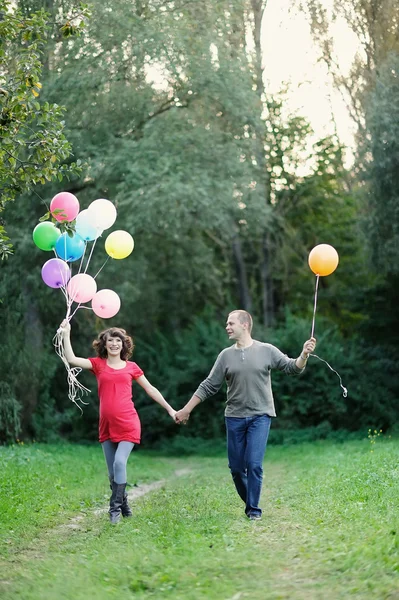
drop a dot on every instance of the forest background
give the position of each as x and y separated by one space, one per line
160 106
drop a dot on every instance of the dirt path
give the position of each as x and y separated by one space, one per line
135 492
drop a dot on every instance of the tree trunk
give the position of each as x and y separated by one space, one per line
28 387
268 308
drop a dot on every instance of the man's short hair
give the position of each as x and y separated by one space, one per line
243 317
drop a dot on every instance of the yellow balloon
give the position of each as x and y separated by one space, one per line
323 259
119 244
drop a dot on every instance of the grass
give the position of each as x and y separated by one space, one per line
329 530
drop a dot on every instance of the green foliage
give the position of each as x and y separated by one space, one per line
10 409
29 368
34 147
169 134
323 431
382 178
185 445
161 104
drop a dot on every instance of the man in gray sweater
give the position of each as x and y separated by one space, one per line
246 368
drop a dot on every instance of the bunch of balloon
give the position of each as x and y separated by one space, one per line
56 272
323 260
70 246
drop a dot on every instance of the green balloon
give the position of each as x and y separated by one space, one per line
45 235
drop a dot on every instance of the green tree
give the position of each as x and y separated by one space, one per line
201 167
382 177
33 147
166 117
381 212
374 24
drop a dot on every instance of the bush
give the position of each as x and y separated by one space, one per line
323 431
183 445
308 400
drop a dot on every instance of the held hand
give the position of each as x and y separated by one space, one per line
309 347
172 413
182 416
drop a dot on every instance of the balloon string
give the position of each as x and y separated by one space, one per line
101 268
81 260
43 200
75 388
77 308
65 249
69 299
99 271
344 389
70 315
315 304
89 259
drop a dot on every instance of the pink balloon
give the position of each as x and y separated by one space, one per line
67 203
106 304
81 288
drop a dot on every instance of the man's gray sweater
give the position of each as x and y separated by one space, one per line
247 373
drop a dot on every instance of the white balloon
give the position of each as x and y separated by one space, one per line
104 213
86 225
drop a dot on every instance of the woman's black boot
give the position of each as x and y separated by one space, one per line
116 501
126 510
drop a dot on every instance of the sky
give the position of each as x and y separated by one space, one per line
290 55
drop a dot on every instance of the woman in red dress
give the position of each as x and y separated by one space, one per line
119 426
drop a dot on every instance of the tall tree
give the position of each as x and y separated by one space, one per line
382 177
167 119
33 147
371 87
256 13
374 24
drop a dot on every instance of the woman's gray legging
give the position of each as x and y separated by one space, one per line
116 455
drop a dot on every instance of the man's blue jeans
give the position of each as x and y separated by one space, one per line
246 446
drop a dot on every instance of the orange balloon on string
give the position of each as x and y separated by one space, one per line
323 259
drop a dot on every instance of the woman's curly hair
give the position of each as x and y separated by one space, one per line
99 344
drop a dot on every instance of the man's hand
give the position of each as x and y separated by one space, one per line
182 416
309 347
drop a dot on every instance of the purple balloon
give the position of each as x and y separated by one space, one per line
56 273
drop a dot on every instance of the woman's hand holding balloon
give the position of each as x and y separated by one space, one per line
65 327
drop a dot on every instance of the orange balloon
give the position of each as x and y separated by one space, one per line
323 259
